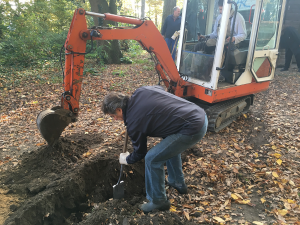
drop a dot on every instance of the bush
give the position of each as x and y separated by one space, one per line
26 51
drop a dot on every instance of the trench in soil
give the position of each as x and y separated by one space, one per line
60 186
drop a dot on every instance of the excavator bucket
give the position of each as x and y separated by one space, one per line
52 122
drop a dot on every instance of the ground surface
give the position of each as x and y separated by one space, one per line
246 174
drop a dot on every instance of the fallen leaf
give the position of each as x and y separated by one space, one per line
282 212
281 218
277 155
291 183
275 174
257 223
281 187
86 154
219 219
235 170
279 161
245 202
205 203
263 200
186 214
236 196
187 206
173 209
236 146
39 144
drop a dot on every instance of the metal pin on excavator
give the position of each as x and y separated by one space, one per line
223 82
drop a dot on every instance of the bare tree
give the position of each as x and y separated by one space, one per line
143 9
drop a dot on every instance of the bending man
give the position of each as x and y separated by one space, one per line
153 112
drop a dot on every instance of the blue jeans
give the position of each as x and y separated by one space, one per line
171 43
167 151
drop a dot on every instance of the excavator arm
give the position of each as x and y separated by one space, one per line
145 32
53 121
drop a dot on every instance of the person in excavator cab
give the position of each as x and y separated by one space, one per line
207 43
151 111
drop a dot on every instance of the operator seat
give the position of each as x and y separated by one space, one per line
238 56
236 61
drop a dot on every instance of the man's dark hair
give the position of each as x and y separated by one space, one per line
112 101
220 3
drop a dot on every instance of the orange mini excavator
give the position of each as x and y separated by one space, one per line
222 81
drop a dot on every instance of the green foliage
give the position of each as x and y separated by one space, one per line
119 73
99 53
135 49
90 71
140 61
33 32
2 27
31 50
126 60
148 68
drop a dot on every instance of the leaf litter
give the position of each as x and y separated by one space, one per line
246 174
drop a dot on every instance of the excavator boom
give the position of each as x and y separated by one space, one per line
52 122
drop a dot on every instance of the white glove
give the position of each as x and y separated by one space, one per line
122 158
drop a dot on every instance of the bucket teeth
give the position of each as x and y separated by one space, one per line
51 123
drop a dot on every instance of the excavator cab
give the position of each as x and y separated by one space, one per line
228 65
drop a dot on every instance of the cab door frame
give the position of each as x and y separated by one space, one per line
270 54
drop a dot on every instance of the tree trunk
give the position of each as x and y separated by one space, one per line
111 48
168 9
143 9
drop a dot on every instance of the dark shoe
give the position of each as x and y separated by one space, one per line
181 188
150 206
284 69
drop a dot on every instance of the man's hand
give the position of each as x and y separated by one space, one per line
228 39
201 37
122 158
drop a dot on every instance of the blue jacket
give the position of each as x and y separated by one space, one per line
170 26
153 112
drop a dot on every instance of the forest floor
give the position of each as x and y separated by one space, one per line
248 173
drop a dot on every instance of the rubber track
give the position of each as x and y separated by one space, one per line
214 111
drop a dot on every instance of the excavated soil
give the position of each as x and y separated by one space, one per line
59 184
